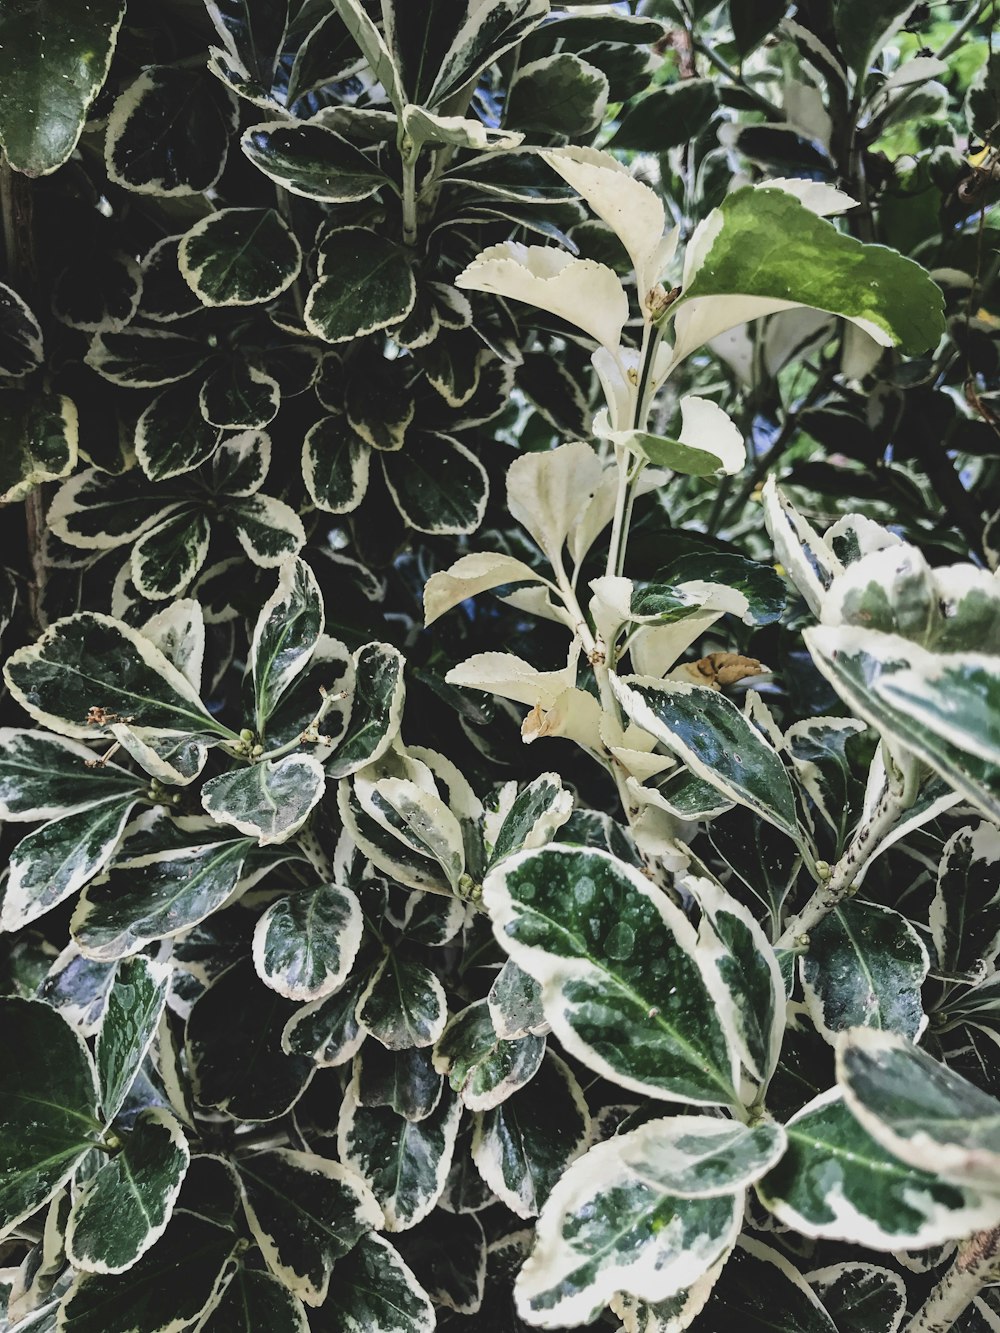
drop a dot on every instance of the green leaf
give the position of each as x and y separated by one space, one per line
706 730
305 1213
252 1301
41 433
861 1297
818 748
865 967
365 284
450 1263
482 1068
752 23
172 436
268 529
92 661
335 465
761 586
138 358
135 1004
558 94
522 1147
156 895
406 1081
168 557
836 1182
305 946
438 484
920 1110
668 117
234 1049
54 58
621 977
168 133
52 862
603 1230
239 396
151 1296
22 348
864 26
532 818
376 709
762 250
760 1291
311 161
44 776
374 1292
405 1163
239 257
404 1004
48 1107
327 1030
125 1208
270 800
285 636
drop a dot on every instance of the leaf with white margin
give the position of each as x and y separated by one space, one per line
387 852
515 1004
940 706
512 678
581 291
709 441
268 529
376 709
534 816
891 590
53 861
864 968
750 989
41 434
450 1261
87 512
179 633
373 47
809 561
760 1291
483 1068
522 1147
836 1182
374 1292
710 734
269 800
254 1300
404 1004
309 160
48 1106
861 1298
155 896
136 1001
139 358
239 257
470 575
482 33
620 971
405 1163
285 636
764 250
603 1230
44 776
631 209
304 946
335 465
305 1212
365 283
77 988
674 1314
90 660
166 558
699 1156
817 747
425 127
22 348
405 1081
417 818
965 915
437 483
920 1110
327 1030
175 758
124 1209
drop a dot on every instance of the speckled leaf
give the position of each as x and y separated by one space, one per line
168 557
312 161
53 861
482 1068
253 1301
537 811
373 1291
268 529
523 1146
603 1230
168 133
305 1213
269 800
21 346
335 465
404 1004
835 1182
124 1209
285 636
327 1030
920 1110
365 284
140 358
965 914
406 1081
156 895
376 709
562 94
234 1048
54 58
706 730
421 821
861 1298
515 1004
135 1003
44 776
239 396
760 1291
618 964
304 946
438 484
41 437
405 1163
864 968
48 1106
149 1295
239 256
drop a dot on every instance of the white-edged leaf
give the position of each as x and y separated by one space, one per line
304 946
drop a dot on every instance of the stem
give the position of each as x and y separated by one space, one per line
616 546
831 892
955 40
975 1265
409 158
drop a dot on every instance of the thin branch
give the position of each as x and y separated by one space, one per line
975 1265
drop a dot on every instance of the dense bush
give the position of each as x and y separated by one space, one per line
502 666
